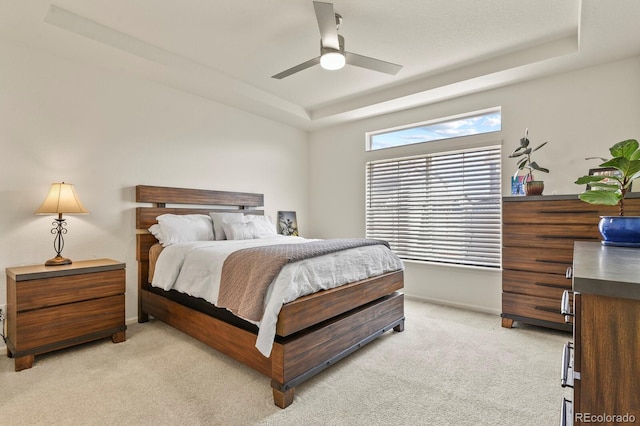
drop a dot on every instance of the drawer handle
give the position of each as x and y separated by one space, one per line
567 211
569 273
566 376
551 261
547 309
566 419
565 307
565 237
541 284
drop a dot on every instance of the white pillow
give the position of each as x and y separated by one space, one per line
156 231
264 224
241 230
221 218
187 227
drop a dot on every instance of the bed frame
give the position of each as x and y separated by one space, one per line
313 332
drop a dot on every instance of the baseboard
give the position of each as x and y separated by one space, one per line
474 308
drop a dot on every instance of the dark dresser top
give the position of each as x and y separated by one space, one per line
555 197
606 270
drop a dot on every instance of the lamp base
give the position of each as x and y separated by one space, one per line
57 261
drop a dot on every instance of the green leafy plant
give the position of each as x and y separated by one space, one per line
524 151
611 190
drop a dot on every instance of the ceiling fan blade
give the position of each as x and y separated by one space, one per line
372 64
327 24
297 68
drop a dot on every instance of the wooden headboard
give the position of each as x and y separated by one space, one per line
161 196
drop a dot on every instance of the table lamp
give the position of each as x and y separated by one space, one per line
62 198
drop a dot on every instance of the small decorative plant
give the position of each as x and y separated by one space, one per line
524 151
611 190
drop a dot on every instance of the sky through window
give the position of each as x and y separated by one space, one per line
472 125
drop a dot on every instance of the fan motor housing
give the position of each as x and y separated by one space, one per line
324 50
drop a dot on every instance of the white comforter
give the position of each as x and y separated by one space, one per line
194 268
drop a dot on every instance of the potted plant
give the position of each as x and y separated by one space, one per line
531 185
611 190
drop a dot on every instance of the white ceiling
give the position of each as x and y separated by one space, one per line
227 50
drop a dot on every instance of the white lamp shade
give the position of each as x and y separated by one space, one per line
332 60
62 198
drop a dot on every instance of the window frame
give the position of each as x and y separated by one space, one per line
444 147
438 121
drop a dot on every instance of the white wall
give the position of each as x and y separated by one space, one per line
581 113
106 132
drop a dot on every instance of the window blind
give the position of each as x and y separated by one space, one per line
442 207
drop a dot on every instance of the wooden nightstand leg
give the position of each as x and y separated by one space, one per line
120 336
507 322
23 362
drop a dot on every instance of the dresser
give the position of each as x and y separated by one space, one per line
538 233
602 364
53 307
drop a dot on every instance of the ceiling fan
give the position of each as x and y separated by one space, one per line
332 53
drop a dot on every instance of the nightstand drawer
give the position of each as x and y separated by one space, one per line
60 325
45 292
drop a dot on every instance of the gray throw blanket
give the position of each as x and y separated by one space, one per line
247 273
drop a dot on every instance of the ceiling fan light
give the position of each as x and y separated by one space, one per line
332 60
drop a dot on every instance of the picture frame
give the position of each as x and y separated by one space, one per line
603 171
287 223
517 184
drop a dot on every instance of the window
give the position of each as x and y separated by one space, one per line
442 207
464 125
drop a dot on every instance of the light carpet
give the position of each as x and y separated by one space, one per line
449 367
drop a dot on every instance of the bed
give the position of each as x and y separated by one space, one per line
312 332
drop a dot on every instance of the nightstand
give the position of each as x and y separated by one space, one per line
53 307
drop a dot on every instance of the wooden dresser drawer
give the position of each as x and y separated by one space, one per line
61 324
535 283
574 211
549 260
40 293
540 308
560 211
561 236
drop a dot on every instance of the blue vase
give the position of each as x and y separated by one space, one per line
623 231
